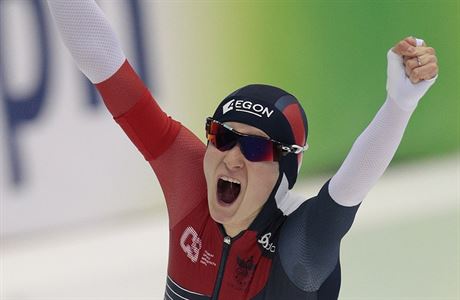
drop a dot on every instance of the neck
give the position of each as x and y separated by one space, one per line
233 230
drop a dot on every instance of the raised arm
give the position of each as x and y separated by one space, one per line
310 247
96 50
174 153
412 69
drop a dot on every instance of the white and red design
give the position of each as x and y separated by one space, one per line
191 243
208 259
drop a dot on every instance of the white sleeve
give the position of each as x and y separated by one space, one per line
375 147
370 155
89 37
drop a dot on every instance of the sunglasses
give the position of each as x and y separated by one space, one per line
254 148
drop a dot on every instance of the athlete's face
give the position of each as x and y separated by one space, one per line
237 187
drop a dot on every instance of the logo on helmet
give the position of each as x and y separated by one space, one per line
247 107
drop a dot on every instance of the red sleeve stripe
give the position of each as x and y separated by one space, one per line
121 90
135 110
149 128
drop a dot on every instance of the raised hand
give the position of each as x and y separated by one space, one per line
412 69
420 62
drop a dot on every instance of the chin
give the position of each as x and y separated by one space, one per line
221 214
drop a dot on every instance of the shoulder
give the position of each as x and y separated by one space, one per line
310 239
320 206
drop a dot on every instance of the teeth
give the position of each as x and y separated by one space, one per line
232 180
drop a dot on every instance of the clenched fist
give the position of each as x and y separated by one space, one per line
412 69
420 62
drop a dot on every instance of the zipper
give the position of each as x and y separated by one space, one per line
223 260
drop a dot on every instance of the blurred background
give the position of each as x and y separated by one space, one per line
82 215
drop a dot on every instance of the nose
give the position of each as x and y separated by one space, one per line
234 159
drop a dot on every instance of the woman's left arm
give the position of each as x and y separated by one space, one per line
412 69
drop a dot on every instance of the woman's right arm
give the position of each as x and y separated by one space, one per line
96 50
174 153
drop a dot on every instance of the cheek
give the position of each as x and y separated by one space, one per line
263 180
206 165
210 161
267 173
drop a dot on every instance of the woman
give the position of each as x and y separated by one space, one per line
236 230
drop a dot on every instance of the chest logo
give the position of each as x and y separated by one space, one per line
191 243
265 242
244 271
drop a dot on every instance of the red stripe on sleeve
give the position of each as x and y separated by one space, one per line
122 90
135 110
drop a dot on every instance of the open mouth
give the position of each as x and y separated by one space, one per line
228 189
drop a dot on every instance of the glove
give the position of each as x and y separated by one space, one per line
399 87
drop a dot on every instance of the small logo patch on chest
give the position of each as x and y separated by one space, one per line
191 243
243 271
265 242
